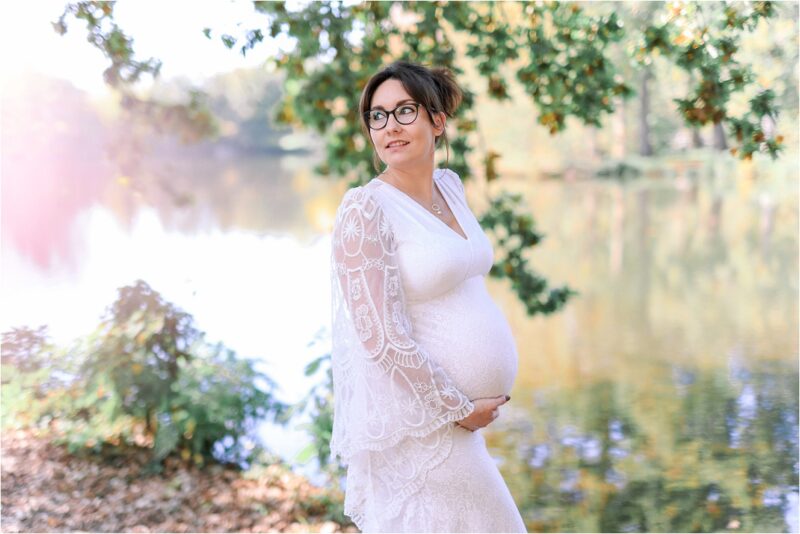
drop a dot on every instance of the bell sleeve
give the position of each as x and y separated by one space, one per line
393 405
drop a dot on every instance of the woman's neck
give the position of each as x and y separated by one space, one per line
416 182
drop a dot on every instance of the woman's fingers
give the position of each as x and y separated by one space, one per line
502 399
488 409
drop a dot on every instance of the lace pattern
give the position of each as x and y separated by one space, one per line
393 405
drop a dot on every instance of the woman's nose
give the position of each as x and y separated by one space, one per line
392 123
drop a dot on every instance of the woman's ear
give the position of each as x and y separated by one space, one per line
439 122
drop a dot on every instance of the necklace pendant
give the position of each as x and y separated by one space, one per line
435 207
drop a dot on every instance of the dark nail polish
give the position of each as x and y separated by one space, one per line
508 397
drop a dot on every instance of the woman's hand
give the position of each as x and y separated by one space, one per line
486 410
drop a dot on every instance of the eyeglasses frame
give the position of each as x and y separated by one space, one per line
415 104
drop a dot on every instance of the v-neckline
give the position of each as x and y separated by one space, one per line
465 237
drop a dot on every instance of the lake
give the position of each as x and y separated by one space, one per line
664 397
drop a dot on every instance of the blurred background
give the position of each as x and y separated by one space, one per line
165 257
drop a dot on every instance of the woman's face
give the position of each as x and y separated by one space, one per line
419 135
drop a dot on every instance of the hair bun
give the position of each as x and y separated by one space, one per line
449 92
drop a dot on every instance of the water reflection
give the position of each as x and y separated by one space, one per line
616 456
53 167
665 398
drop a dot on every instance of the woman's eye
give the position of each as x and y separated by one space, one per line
406 110
376 116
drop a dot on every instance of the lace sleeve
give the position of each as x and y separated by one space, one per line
385 385
392 403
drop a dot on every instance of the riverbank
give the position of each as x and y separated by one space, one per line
47 489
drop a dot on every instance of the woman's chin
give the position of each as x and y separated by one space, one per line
399 159
391 158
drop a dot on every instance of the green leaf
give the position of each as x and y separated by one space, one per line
312 367
306 454
167 437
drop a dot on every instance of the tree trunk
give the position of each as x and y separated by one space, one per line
720 143
591 144
697 139
645 148
618 131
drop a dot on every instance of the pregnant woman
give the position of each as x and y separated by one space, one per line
422 357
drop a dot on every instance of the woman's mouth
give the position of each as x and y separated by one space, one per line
396 145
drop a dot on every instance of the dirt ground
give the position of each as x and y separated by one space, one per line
46 489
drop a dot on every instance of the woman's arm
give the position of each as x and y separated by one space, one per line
404 392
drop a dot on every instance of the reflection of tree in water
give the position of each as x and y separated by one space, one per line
233 181
705 453
60 158
254 194
665 258
53 165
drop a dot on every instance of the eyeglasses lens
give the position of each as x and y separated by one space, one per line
406 114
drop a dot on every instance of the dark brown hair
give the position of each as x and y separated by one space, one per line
435 88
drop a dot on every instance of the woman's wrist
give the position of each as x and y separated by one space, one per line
465 426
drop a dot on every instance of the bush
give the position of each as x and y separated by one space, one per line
37 378
145 377
319 405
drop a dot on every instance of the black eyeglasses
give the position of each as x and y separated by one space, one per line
377 119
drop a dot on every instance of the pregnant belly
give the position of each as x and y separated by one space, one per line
467 334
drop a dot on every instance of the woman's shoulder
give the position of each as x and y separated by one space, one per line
449 175
363 198
362 193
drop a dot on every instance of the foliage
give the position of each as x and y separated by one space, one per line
319 403
215 403
563 52
568 73
138 346
516 233
25 348
191 120
38 377
321 95
105 34
144 377
564 62
703 39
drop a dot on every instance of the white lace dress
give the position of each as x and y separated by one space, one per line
415 337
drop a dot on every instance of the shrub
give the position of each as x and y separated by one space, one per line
145 377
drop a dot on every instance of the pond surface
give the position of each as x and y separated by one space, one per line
663 398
